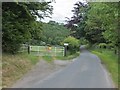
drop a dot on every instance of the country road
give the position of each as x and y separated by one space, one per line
85 72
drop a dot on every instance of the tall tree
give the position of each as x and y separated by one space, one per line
102 23
77 22
19 22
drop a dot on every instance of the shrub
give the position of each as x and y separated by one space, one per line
74 43
83 41
102 45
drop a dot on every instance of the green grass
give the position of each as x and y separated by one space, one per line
68 57
110 60
48 58
32 58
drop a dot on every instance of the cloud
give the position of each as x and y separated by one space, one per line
62 9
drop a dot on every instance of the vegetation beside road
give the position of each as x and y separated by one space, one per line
15 66
68 57
110 60
89 24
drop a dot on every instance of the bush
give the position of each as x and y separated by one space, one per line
11 47
102 45
74 43
88 46
83 41
110 46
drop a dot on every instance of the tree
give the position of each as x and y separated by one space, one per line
19 23
54 33
73 43
77 22
99 25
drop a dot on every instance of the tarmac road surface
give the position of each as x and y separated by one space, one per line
85 72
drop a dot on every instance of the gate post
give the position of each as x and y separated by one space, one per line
65 50
28 49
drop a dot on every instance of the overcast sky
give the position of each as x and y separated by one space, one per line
62 9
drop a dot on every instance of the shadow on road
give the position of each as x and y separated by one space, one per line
83 48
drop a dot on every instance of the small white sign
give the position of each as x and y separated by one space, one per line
66 44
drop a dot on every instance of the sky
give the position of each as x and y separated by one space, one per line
62 9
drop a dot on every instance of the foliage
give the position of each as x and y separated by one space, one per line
77 21
19 25
95 21
73 43
102 45
54 33
99 25
83 41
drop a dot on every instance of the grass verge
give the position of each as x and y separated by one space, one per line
15 66
110 60
68 57
48 58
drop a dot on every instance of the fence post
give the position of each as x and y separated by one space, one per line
28 49
65 51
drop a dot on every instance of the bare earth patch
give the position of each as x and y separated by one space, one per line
40 71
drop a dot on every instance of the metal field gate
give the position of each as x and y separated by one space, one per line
47 51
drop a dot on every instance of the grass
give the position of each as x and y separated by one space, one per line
110 60
33 59
48 58
68 57
15 66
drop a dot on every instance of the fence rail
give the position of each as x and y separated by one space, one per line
44 50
